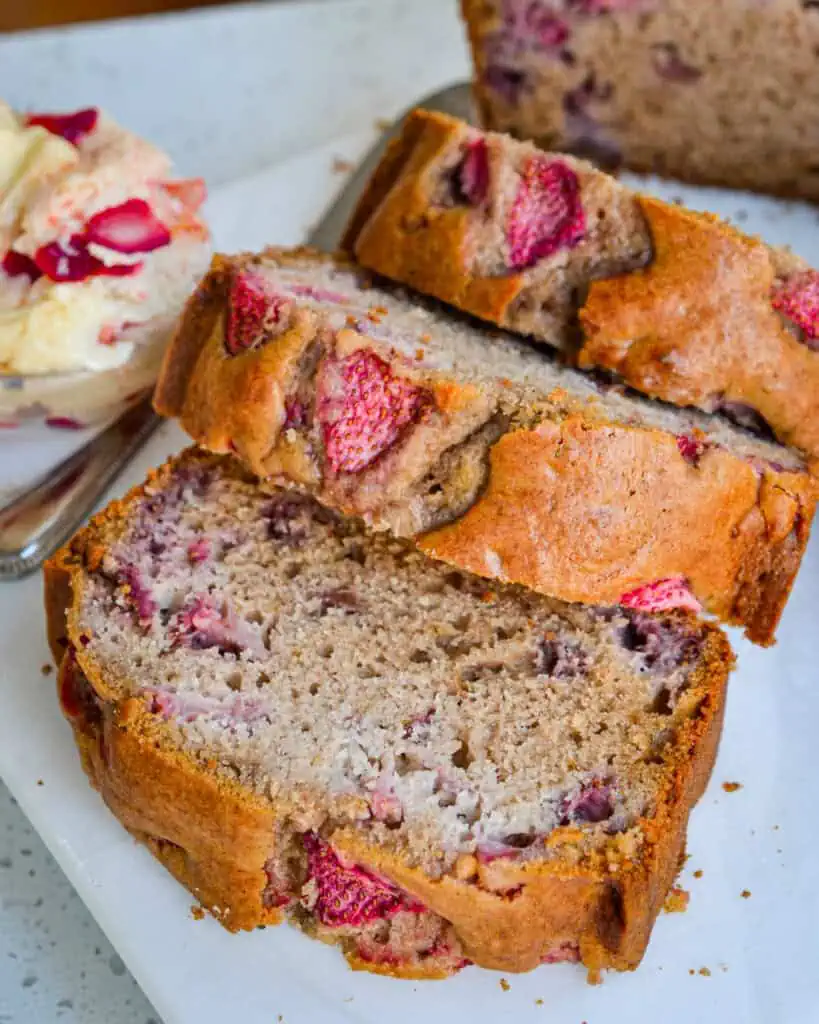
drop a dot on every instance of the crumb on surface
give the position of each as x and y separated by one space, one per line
676 902
197 912
731 787
46 669
504 984
698 873
705 972
691 970
382 123
40 782
342 166
745 894
538 1002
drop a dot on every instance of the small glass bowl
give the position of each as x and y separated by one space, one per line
81 398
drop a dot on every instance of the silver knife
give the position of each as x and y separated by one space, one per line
35 523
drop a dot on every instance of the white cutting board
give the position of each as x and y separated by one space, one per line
762 951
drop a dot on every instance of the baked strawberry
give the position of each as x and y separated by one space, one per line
662 596
546 215
797 299
349 895
363 407
254 311
472 175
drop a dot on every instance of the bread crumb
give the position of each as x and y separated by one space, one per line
745 894
775 828
676 902
46 669
197 913
538 1002
691 970
341 166
40 782
731 787
698 873
504 984
382 124
704 972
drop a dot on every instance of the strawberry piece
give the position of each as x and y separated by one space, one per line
254 310
18 263
128 228
593 803
189 192
138 595
662 596
351 896
64 423
691 448
363 407
473 173
546 215
199 550
797 299
71 261
71 127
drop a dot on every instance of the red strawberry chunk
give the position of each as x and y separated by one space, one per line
71 261
363 407
797 298
473 173
253 311
546 215
128 228
17 263
662 596
350 895
71 127
691 448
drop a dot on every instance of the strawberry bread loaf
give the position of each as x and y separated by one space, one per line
299 719
716 91
676 304
494 457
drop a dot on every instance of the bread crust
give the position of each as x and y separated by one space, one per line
694 327
582 509
215 836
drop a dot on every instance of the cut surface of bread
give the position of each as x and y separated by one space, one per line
495 457
677 304
722 93
300 718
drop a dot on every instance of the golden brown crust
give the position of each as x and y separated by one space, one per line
731 343
215 836
695 327
407 239
715 524
611 508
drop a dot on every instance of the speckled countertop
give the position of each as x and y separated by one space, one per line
226 92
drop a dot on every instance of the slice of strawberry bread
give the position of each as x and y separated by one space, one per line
496 458
301 719
719 92
676 304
